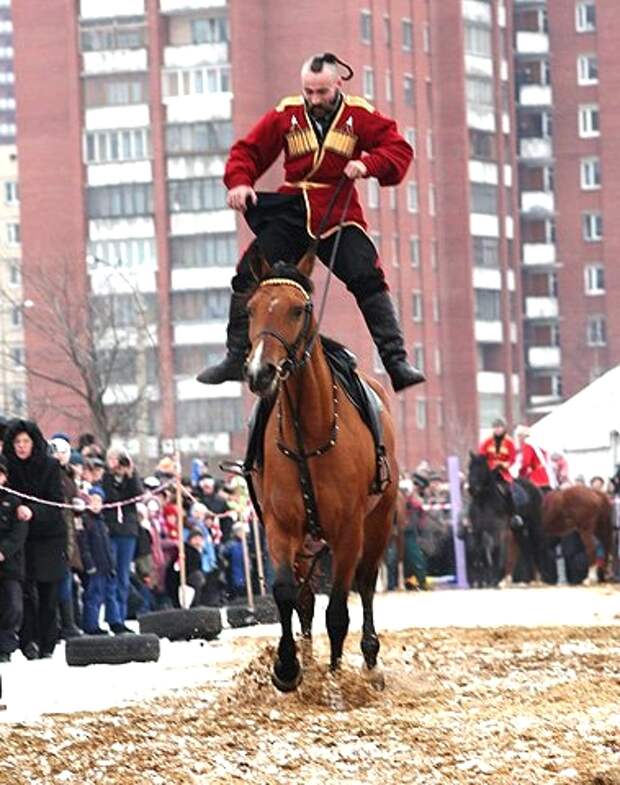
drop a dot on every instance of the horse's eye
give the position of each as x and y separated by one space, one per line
250 311
297 312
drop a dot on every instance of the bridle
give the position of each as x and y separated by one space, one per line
304 340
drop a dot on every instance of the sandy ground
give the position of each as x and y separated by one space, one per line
515 686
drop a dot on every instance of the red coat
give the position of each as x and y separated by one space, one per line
532 468
357 131
502 458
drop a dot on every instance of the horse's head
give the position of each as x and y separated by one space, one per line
281 324
479 474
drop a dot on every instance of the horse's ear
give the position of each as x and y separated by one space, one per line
306 264
259 267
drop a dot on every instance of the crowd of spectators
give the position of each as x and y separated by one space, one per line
86 543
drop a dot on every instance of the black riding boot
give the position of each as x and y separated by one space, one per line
380 316
68 627
230 369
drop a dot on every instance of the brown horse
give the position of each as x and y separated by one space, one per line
331 496
588 512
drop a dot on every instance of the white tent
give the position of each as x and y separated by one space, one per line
586 428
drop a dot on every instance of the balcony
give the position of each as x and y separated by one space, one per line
95 9
539 254
196 54
203 278
534 148
488 332
490 382
537 202
119 61
180 6
529 43
481 118
217 221
100 118
198 107
483 278
476 11
541 307
540 357
535 95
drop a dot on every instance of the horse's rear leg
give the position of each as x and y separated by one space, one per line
366 578
286 670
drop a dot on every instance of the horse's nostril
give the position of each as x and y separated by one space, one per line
265 376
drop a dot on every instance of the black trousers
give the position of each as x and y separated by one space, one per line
40 615
11 614
281 235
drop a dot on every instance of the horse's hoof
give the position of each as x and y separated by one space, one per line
286 685
375 677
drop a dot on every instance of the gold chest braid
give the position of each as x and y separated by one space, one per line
341 142
301 141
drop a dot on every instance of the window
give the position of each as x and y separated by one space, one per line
479 93
387 31
436 312
196 81
132 144
434 254
438 362
488 305
368 82
585 17
587 69
596 331
200 305
388 86
430 152
393 197
431 200
18 401
12 233
198 194
417 356
11 192
188 358
482 145
414 251
594 279
120 201
15 274
407 28
483 198
115 90
366 27
372 186
426 37
590 173
478 41
212 30
17 356
412 197
417 310
126 34
410 136
589 121
486 252
420 413
215 415
187 138
408 90
16 316
204 250
592 227
129 253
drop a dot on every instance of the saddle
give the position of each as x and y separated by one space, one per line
343 364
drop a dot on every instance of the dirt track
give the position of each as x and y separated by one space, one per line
508 705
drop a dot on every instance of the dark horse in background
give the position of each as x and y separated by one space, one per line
491 551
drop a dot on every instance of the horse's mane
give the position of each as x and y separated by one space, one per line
289 271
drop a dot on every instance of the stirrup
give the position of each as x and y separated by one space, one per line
383 476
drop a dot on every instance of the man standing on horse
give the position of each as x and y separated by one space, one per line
501 452
328 138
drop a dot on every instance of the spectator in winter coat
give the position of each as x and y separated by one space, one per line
14 519
120 483
194 576
32 471
209 495
232 553
61 450
199 520
101 587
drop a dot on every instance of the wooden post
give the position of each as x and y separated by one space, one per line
180 540
247 569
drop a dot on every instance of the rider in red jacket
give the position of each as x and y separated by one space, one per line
532 461
500 452
328 138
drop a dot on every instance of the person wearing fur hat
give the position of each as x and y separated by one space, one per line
14 519
33 471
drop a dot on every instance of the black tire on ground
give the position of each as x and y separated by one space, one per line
181 624
240 616
266 610
111 650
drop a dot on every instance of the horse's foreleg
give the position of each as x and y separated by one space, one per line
286 670
366 577
337 615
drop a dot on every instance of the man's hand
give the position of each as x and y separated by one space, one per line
238 196
24 513
355 169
